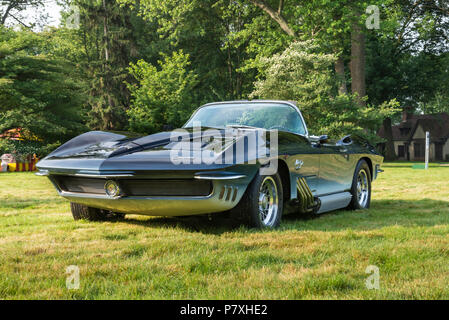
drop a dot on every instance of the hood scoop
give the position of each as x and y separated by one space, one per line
141 144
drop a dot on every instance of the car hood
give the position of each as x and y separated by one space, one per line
109 151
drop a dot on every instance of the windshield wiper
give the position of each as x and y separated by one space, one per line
240 126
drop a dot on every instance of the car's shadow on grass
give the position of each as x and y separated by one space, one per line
383 213
217 223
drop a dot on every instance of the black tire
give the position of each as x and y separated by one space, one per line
361 193
247 210
82 212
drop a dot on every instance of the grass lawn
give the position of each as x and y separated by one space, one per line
405 234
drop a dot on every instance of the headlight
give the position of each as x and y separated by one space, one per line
112 189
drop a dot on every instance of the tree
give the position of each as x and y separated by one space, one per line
332 22
205 30
12 10
358 59
404 56
304 74
162 94
438 99
108 43
38 93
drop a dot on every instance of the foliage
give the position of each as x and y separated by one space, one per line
227 44
38 93
22 149
206 31
163 93
303 74
406 57
107 37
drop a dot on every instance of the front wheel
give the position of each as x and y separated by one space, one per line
82 212
361 187
262 204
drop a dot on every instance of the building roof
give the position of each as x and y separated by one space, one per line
437 124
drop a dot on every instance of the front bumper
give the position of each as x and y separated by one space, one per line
228 187
158 206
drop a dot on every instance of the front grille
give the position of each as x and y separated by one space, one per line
138 187
185 187
81 185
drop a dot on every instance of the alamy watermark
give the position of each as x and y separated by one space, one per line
73 20
373 281
72 281
373 20
227 146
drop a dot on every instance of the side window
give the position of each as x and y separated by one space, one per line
296 125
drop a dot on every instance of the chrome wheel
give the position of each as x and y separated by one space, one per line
362 188
268 202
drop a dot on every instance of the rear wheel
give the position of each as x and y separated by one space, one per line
82 212
361 187
262 204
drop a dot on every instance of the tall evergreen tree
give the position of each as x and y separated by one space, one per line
110 45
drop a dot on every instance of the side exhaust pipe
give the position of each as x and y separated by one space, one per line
307 202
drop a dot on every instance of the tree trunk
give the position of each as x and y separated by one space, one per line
340 71
108 121
358 84
105 32
390 153
275 15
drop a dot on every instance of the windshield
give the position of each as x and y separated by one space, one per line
260 115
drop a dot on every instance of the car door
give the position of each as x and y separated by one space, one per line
336 169
303 160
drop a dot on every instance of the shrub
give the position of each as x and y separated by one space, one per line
162 94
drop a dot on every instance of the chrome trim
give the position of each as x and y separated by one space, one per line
106 197
42 173
99 175
88 195
334 201
298 164
268 202
378 170
363 191
233 177
118 189
93 174
156 206
294 106
306 199
165 205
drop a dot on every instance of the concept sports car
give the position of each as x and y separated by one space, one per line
249 158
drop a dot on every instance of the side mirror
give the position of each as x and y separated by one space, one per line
323 139
317 141
345 141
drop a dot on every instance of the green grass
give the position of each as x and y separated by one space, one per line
405 234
